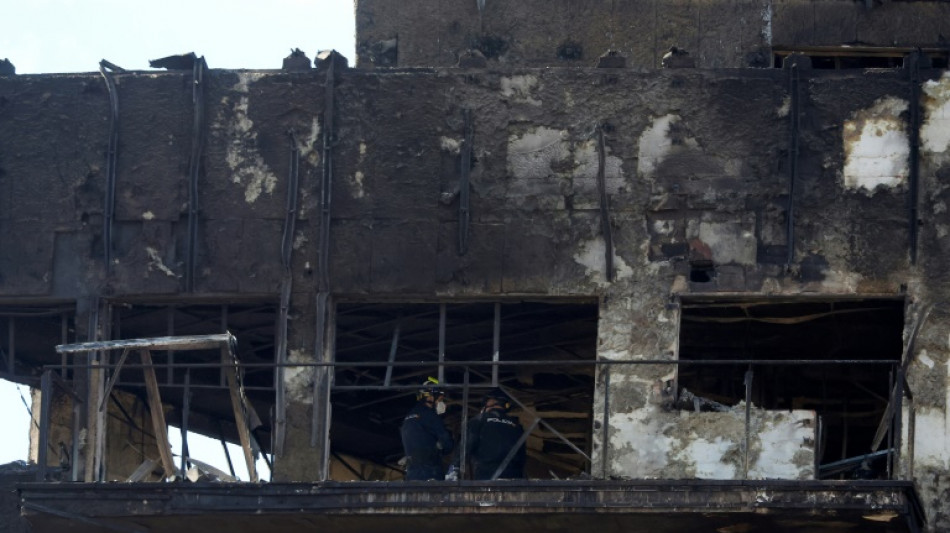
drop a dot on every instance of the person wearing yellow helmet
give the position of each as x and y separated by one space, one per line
424 436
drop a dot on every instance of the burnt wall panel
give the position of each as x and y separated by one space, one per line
26 259
155 131
55 129
796 22
239 256
478 270
404 256
146 258
556 33
351 256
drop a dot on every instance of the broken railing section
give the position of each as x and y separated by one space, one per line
243 413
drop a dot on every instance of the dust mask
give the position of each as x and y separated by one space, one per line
439 407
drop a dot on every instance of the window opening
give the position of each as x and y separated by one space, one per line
849 399
855 56
367 411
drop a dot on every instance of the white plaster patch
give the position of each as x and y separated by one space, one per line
784 436
705 456
730 242
786 107
245 78
767 23
247 166
299 240
839 282
309 146
148 215
592 256
655 145
935 131
532 155
664 227
643 434
876 147
587 162
450 145
932 439
356 184
155 263
298 380
925 359
519 88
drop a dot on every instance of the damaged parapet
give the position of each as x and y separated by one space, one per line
611 59
297 61
326 57
472 59
677 58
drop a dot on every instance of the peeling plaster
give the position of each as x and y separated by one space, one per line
592 256
656 145
935 131
356 185
785 442
532 155
639 445
450 145
519 88
587 163
730 242
148 215
705 455
932 439
785 108
876 147
309 146
247 165
155 262
298 380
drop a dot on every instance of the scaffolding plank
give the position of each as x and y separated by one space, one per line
158 415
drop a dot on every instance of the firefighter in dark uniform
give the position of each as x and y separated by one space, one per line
491 435
424 437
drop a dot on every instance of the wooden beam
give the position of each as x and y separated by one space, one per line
193 342
237 404
158 414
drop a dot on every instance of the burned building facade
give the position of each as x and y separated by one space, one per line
716 291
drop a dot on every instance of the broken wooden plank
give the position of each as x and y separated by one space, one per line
144 469
190 342
240 416
158 415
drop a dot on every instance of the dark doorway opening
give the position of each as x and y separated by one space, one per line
849 398
370 402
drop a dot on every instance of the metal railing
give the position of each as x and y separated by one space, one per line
889 427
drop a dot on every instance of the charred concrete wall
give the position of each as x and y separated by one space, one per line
695 168
561 33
